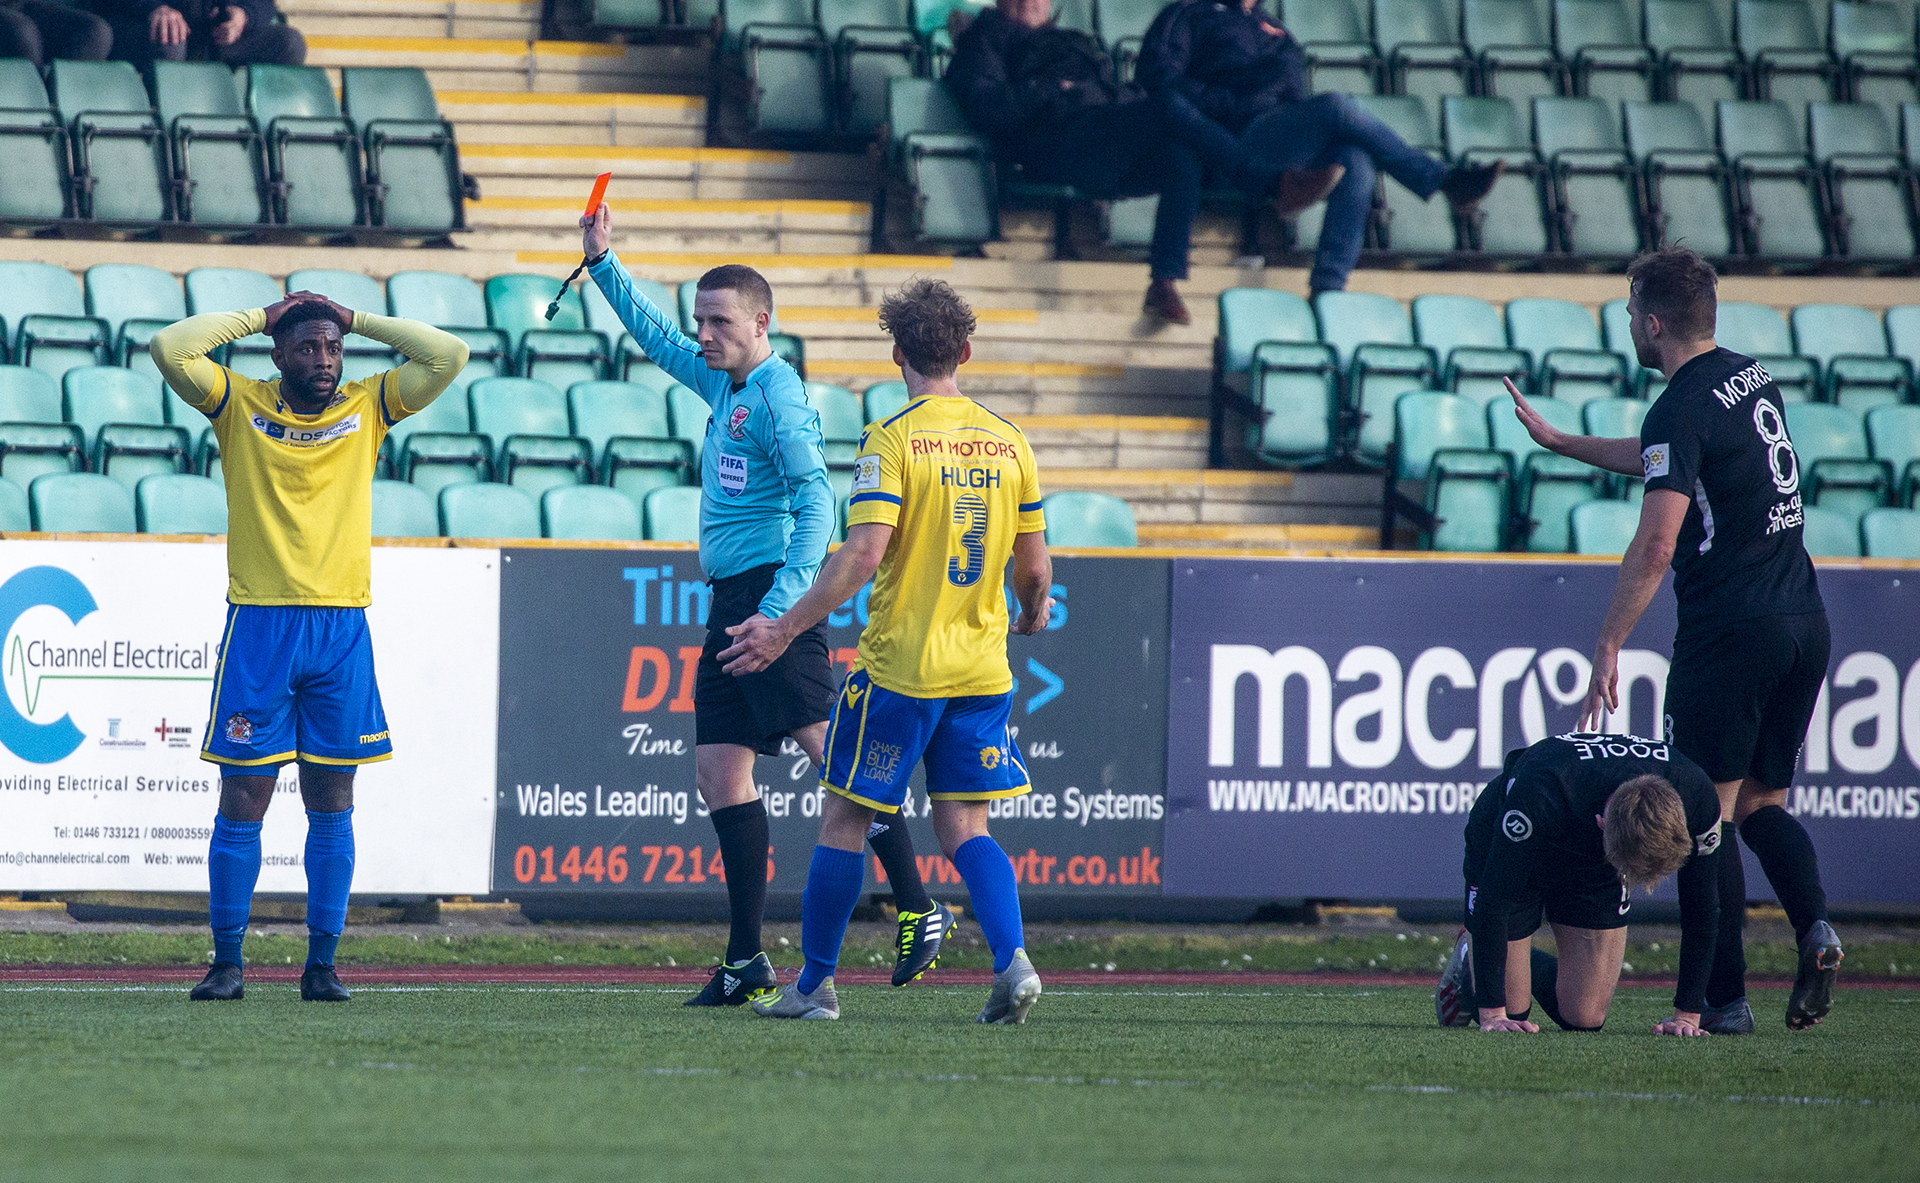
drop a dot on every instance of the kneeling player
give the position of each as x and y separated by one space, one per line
934 533
1569 827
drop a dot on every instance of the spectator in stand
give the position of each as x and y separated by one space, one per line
1229 65
1049 100
231 32
42 31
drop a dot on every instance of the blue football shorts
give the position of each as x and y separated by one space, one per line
876 736
295 682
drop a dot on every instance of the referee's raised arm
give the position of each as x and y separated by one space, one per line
657 334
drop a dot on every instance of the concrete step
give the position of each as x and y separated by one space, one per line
491 19
1256 539
641 225
686 173
1231 497
1115 441
607 119
512 64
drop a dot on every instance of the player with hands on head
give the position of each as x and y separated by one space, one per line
1723 508
295 680
945 492
766 516
1570 826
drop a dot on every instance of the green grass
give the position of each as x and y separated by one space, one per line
1270 948
1113 1084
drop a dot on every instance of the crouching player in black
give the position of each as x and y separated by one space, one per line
1571 825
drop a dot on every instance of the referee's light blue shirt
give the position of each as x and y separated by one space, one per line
764 496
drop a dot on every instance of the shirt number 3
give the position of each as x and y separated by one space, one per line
970 517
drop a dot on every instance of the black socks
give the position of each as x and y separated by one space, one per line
893 846
1727 981
744 840
1545 969
1786 854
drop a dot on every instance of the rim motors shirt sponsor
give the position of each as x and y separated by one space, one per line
1718 435
300 487
957 483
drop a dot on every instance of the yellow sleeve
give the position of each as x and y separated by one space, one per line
180 350
879 480
434 358
1032 518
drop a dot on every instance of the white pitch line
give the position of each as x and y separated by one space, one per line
1605 1095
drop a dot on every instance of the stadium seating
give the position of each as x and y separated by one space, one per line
530 438
1685 178
313 156
214 147
1563 340
488 511
1893 435
1874 45
1085 518
401 510
1513 218
1850 343
1890 534
1595 191
15 517
80 503
1831 534
784 65
180 504
588 512
120 173
1333 35
672 514
883 400
1603 527
1837 471
873 42
1441 439
134 302
43 319
35 186
1372 338
413 166
947 169
229 289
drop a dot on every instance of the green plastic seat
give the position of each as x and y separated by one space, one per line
1867 182
1778 189
35 190
413 163
525 421
1372 339
947 168
884 400
1903 333
1850 343
1893 435
94 396
15 517
134 301
630 14
517 305
28 395
1510 44
1784 51
588 511
488 511
401 510
1563 340
1431 421
689 415
785 65
234 289
120 153
1468 337
1596 191
1823 432
1601 46
180 504
1697 61
672 514
1874 45
601 318
218 156
438 298
1603 527
1249 316
1614 418
29 451
313 156
873 42
450 450
841 417
80 503
44 321
1268 349
1507 434
1891 534
1511 219
1412 227
1762 333
600 411
1831 534
1616 329
1686 181
1421 41
1332 35
1837 469
1546 492
1081 517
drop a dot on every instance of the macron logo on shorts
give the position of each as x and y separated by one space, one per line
1655 461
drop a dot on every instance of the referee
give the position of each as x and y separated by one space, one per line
1750 656
766 516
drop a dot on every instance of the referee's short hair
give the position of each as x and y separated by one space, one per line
737 277
930 323
1678 286
1646 836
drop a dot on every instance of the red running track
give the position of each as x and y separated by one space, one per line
603 975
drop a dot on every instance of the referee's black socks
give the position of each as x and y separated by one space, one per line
1786 854
893 846
744 840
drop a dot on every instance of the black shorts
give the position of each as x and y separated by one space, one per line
1599 904
1739 698
758 710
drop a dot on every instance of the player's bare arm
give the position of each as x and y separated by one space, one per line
759 642
1641 570
1614 455
1032 580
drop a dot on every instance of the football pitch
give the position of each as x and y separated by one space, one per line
1109 1082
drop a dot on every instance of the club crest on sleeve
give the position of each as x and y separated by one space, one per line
866 474
1655 461
1516 825
239 730
737 423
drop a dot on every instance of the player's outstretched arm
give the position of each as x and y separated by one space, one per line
758 642
1614 455
1699 884
1641 570
1032 580
658 336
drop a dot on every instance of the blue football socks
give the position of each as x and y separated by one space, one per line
833 888
995 895
329 861
233 867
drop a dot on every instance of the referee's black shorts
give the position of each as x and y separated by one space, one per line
758 710
1739 697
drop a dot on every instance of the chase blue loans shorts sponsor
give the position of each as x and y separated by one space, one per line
876 736
296 683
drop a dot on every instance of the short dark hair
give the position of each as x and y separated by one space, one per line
737 277
1678 286
930 323
300 314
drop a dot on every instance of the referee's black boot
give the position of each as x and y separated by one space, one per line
223 983
318 983
733 985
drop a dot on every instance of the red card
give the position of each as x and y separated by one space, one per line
599 191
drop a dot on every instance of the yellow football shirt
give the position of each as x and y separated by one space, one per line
957 482
300 487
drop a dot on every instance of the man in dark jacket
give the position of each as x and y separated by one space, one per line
42 31
232 32
1225 63
1048 99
